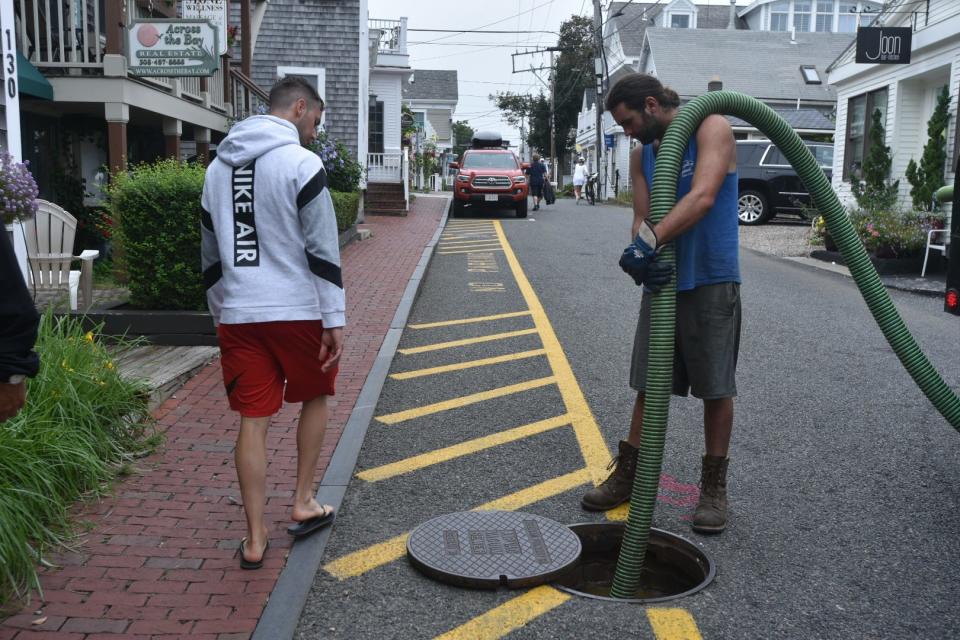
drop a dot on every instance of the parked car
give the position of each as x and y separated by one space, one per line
769 185
489 176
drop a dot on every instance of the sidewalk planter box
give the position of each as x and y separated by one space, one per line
169 328
885 266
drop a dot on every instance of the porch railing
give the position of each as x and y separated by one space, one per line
385 167
405 176
62 33
246 96
393 35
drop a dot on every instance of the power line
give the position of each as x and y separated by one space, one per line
512 31
490 24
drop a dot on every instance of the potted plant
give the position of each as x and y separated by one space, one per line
18 192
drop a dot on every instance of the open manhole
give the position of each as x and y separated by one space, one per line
490 549
674 567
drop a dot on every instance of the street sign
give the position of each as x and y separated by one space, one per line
213 10
608 139
172 48
884 45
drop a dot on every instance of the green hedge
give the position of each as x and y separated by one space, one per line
158 206
346 205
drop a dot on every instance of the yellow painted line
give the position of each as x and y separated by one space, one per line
424 460
465 341
460 243
369 558
511 615
463 401
592 446
450 323
673 624
470 364
453 253
489 245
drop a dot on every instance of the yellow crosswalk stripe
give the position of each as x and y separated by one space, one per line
369 558
592 446
450 323
471 364
673 624
509 616
463 401
466 341
481 250
437 456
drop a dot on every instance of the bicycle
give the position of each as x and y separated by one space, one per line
590 188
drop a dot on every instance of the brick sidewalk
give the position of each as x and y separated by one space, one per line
158 560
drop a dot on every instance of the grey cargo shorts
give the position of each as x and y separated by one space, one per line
706 346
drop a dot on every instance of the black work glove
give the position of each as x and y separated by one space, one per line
639 260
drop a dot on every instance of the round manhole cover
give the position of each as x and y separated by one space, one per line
489 549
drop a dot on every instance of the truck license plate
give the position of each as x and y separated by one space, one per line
491 197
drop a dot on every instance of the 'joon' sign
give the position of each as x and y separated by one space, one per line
884 45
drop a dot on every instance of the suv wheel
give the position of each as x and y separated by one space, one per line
752 207
522 209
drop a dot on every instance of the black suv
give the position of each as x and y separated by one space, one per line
769 185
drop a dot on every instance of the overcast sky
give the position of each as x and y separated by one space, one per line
483 60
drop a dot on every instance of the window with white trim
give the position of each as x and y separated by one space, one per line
824 22
316 76
860 111
847 17
680 20
779 15
801 15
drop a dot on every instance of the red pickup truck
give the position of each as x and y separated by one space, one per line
488 177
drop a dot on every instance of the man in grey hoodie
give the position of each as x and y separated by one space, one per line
271 264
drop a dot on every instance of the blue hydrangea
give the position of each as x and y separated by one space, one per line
18 189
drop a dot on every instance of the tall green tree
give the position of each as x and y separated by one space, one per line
875 192
574 73
462 137
926 178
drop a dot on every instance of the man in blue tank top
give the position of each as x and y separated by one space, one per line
704 229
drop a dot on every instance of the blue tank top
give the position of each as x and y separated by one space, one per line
708 253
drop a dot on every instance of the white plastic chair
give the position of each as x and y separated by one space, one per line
50 235
941 246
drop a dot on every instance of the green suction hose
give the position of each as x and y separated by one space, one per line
663 306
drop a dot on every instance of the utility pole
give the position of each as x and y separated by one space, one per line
553 120
598 68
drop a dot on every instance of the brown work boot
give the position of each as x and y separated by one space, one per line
711 513
615 490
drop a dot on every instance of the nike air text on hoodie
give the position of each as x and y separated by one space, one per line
270 248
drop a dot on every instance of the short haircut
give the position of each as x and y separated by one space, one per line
633 90
536 157
289 89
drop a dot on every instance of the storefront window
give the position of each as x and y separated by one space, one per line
859 118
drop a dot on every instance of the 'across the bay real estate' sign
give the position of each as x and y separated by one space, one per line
884 45
172 48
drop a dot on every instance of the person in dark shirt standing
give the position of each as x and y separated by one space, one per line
536 172
18 333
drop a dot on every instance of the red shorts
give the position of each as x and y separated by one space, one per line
260 357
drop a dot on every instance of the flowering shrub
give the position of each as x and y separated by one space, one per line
891 233
343 171
18 190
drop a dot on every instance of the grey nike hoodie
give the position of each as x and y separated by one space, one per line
269 237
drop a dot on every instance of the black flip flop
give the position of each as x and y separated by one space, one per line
312 525
252 564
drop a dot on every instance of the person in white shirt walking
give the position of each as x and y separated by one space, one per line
579 179
271 265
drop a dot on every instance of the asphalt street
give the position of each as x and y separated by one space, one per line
843 478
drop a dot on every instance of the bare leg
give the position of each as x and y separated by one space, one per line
250 458
717 425
636 421
310 432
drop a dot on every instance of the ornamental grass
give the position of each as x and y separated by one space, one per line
80 428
